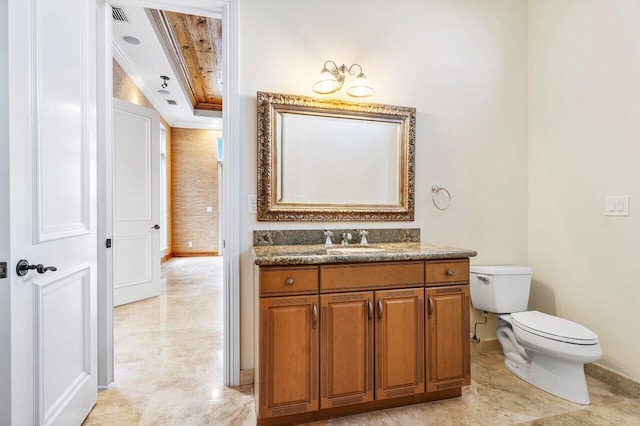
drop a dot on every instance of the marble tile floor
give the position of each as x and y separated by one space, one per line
169 372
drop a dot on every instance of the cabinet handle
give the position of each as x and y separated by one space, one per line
430 306
370 310
449 272
315 316
289 281
379 310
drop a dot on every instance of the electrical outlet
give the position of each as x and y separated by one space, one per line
190 244
252 204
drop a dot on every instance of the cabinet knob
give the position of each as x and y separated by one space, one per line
449 272
289 281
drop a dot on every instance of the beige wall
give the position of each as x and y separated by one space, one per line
194 185
584 132
462 64
124 88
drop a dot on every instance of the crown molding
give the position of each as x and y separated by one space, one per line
217 125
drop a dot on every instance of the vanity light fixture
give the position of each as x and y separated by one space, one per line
332 78
164 81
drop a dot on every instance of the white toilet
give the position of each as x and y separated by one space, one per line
546 351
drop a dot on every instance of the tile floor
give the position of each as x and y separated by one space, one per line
169 372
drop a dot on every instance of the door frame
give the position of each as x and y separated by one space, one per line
5 296
227 10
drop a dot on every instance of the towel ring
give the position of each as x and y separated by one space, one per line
435 189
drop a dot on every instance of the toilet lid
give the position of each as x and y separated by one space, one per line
555 328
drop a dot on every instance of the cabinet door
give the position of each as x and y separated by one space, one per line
447 324
399 343
346 363
288 355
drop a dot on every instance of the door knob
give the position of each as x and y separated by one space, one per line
23 267
156 226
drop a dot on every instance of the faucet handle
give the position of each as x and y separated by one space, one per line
363 236
327 241
346 237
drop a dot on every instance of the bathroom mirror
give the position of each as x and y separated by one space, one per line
334 160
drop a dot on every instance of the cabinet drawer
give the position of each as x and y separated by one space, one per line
371 275
447 272
288 280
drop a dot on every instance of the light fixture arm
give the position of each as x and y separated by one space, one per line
335 66
339 72
332 78
351 68
336 71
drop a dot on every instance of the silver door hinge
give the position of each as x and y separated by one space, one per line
3 269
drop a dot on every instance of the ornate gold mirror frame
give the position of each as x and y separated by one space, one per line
343 161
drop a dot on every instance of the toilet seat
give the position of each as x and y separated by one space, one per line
554 328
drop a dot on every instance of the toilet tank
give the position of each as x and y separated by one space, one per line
500 289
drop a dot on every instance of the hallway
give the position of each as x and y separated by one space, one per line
168 355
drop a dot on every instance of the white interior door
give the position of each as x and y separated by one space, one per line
136 205
52 216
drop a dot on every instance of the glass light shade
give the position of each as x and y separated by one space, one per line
360 87
326 83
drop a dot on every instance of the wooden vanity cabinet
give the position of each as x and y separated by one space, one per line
347 338
447 325
288 335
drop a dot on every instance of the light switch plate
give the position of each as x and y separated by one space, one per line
616 205
209 209
252 204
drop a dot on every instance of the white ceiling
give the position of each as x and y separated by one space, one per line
146 62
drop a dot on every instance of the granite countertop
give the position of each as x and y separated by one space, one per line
318 254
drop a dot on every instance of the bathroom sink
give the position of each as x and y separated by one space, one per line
353 249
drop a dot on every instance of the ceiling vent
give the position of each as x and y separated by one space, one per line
119 15
171 102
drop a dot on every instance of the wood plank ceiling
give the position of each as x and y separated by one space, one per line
194 46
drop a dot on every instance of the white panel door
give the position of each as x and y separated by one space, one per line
52 215
136 202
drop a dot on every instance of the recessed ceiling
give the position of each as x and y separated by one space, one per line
146 62
194 45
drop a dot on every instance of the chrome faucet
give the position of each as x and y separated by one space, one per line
346 237
363 237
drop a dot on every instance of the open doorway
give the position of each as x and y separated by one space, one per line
226 10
